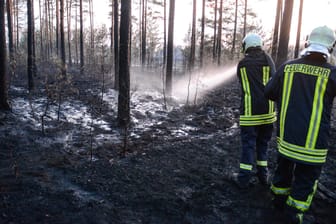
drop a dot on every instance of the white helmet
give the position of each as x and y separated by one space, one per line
322 40
251 40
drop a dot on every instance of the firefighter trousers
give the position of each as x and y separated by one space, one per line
254 141
294 185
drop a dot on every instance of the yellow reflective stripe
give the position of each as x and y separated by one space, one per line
280 190
288 81
266 77
257 119
245 166
252 122
310 155
261 163
302 205
258 116
247 92
316 115
266 70
271 106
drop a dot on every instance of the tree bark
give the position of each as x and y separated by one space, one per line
164 33
69 7
285 33
143 32
30 43
298 34
214 46
57 28
219 37
278 18
245 18
124 81
81 37
170 49
3 60
62 40
116 44
10 36
202 34
234 31
193 38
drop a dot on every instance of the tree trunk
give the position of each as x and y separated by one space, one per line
116 44
62 40
112 36
219 37
124 84
50 25
57 28
278 19
143 32
202 34
69 6
41 29
164 33
46 35
17 23
193 38
285 33
245 18
81 37
30 39
92 47
298 35
76 35
214 47
234 31
10 36
3 60
170 49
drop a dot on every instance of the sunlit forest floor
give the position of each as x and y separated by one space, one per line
172 165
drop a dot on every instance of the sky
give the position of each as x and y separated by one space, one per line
315 13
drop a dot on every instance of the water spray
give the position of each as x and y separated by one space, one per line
202 82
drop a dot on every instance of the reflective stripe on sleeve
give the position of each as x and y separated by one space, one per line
257 119
247 92
266 78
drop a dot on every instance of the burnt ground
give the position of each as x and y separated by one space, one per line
176 170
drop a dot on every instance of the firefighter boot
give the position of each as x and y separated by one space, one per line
262 174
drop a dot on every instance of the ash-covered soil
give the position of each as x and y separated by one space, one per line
169 166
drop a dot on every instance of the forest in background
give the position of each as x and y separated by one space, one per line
91 130
62 42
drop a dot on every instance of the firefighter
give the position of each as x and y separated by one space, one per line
304 90
257 113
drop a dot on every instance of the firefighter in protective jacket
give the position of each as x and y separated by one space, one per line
304 90
257 113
